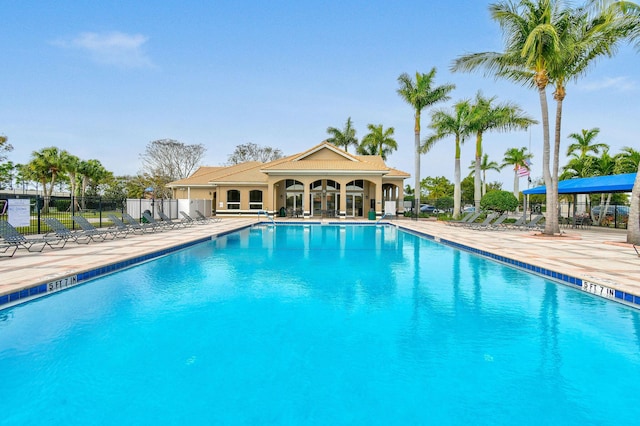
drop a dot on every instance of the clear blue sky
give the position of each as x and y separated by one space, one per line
102 79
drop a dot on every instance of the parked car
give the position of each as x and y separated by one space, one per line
470 209
427 208
620 211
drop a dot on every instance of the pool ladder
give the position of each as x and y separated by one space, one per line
382 217
267 215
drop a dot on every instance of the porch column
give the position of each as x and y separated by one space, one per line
379 200
343 200
306 204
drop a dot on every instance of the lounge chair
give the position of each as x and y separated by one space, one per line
189 220
205 218
470 220
497 224
532 225
146 216
463 220
490 218
518 223
124 227
144 227
11 237
170 222
60 230
102 233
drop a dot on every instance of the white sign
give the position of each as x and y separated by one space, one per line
19 212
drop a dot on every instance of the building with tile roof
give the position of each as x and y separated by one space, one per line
324 181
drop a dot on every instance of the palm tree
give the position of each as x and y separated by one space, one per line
420 94
45 165
584 143
518 158
485 166
344 137
578 167
628 160
455 123
90 171
487 117
604 165
378 141
547 43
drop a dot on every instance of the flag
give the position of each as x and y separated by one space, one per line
523 171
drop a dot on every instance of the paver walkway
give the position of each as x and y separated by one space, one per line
595 255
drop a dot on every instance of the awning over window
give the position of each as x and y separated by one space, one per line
612 183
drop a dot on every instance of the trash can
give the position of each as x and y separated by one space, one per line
372 215
283 212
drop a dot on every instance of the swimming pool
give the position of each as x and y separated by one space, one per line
320 325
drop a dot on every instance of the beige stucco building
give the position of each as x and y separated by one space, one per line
324 181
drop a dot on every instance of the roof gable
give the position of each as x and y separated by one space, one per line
325 152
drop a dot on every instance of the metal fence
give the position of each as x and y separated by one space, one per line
95 209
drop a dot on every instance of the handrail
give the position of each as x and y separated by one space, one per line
382 217
267 215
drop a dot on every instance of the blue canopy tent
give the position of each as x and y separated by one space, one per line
598 184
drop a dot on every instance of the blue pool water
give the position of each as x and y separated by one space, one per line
320 325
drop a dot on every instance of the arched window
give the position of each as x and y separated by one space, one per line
356 185
233 199
255 199
332 185
316 186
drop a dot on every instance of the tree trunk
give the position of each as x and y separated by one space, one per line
457 190
633 223
417 164
477 181
516 184
553 215
546 172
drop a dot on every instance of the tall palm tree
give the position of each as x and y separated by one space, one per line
549 43
485 166
578 167
451 123
378 141
518 158
421 94
584 143
486 117
345 137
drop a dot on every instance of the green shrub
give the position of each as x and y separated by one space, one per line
62 205
500 201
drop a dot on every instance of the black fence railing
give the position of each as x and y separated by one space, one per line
62 208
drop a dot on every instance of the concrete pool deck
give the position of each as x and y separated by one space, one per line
595 255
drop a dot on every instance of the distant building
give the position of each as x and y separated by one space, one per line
324 181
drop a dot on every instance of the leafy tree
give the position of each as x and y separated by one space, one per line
345 137
90 172
486 117
171 158
485 166
578 167
467 190
45 165
518 158
5 147
420 94
584 144
252 152
378 141
548 43
500 201
444 203
6 175
451 123
627 161
436 187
